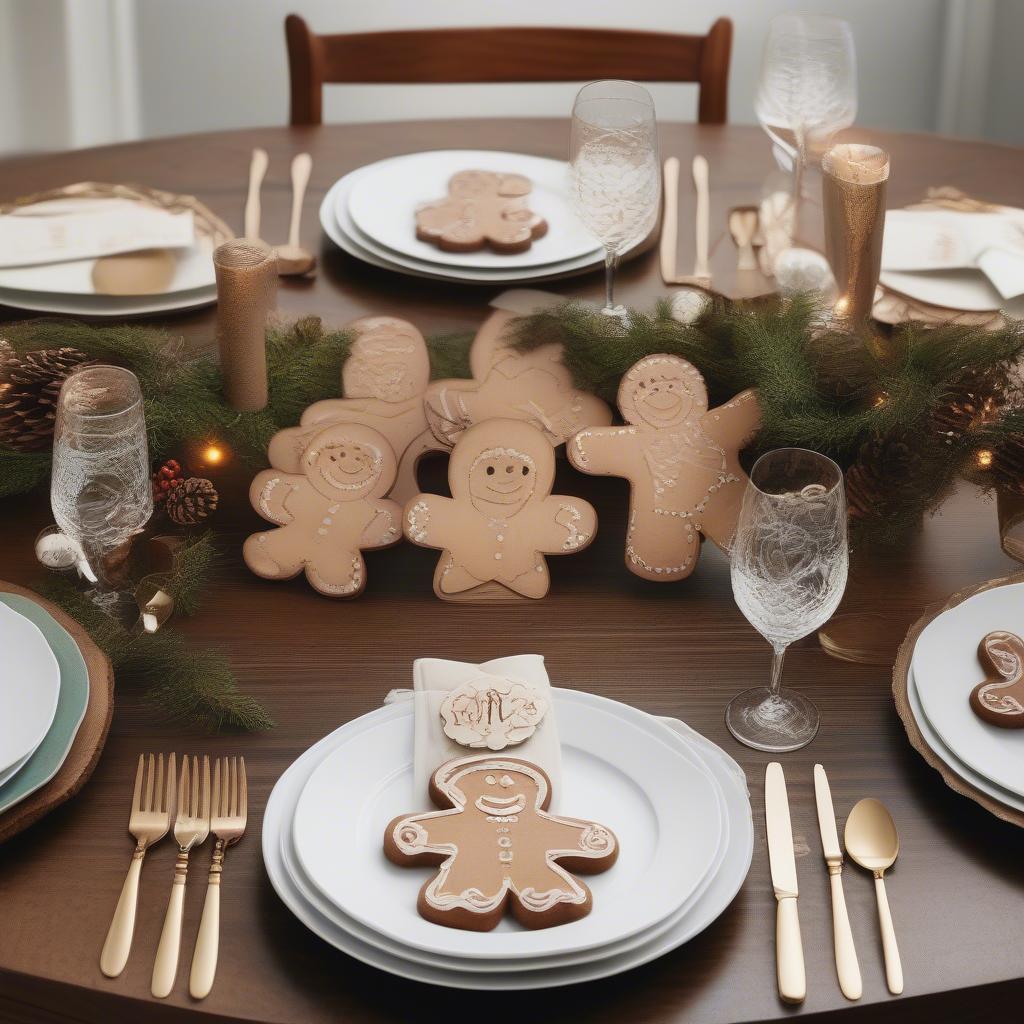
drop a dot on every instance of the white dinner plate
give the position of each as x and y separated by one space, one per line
29 687
663 808
946 669
383 202
934 740
728 877
107 305
966 289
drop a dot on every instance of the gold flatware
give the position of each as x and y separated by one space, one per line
846 954
150 817
743 226
191 827
789 953
670 229
701 270
257 169
292 258
230 803
872 841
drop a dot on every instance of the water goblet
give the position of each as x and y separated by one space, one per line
789 563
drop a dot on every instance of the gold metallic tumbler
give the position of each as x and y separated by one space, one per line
853 197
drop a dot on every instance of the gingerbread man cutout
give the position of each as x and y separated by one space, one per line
383 382
534 385
497 847
681 460
482 208
999 699
329 511
502 517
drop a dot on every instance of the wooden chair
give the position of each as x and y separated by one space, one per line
505 55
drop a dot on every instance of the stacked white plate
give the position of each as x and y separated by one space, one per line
371 214
944 670
677 803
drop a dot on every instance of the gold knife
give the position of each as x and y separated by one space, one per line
789 951
846 955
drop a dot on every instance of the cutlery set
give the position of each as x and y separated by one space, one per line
292 259
871 841
199 809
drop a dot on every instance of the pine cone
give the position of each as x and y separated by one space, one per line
29 385
190 501
976 398
1008 464
885 466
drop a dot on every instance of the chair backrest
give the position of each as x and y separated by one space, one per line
506 55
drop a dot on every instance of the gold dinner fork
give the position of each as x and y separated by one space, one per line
227 824
151 814
191 827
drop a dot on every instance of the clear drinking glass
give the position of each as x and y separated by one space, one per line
100 488
613 159
789 563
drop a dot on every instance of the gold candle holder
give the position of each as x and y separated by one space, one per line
853 197
246 271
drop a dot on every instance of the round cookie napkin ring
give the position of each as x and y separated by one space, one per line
488 711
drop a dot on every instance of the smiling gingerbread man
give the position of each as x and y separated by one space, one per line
502 517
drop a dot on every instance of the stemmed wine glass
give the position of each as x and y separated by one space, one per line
613 159
100 489
789 564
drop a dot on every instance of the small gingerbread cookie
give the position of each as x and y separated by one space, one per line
488 711
481 208
328 512
502 518
999 698
497 847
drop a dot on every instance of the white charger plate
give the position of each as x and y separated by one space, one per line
29 687
107 305
934 740
383 202
663 808
727 879
946 669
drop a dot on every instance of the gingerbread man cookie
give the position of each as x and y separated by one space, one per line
482 208
534 386
487 711
497 846
329 511
383 382
682 463
502 517
999 699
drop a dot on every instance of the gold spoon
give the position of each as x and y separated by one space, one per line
872 841
743 224
292 258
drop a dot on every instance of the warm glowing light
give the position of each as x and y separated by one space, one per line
881 399
842 306
984 458
213 455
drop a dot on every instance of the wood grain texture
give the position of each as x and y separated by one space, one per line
680 650
467 55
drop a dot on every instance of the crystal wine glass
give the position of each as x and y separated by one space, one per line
100 488
789 566
613 159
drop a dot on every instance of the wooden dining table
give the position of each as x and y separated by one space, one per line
682 649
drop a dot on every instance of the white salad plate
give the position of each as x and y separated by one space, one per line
730 871
29 688
946 669
665 806
383 202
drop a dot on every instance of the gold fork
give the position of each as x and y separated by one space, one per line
227 824
151 814
191 827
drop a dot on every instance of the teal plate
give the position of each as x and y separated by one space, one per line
74 696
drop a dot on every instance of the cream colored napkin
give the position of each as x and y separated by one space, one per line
434 678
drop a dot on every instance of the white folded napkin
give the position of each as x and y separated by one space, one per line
434 678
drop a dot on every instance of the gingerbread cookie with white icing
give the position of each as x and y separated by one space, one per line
482 208
328 512
488 711
681 461
502 518
999 698
497 848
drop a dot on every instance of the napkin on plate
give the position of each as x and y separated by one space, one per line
434 678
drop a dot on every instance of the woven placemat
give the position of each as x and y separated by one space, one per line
901 671
91 735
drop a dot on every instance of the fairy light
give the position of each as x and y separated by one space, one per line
880 399
984 458
213 454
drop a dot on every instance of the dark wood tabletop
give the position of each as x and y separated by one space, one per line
682 649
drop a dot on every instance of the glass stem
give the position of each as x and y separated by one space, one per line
778 656
611 261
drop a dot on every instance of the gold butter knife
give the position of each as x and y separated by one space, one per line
847 966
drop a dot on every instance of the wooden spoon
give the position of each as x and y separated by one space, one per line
743 224
257 169
292 258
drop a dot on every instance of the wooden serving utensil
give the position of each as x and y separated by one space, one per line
257 170
743 225
292 258
701 278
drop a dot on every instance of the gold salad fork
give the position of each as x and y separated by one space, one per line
151 814
191 827
227 824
